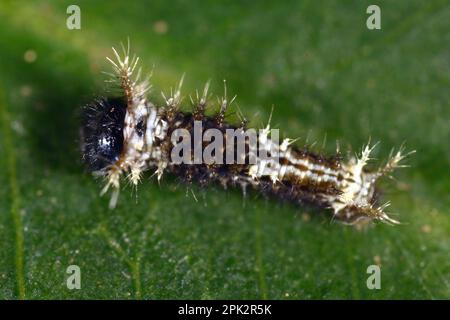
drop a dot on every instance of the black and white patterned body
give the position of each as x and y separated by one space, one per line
298 176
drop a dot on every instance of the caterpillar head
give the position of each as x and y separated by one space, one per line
102 133
112 133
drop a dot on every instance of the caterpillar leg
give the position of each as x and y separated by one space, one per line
113 182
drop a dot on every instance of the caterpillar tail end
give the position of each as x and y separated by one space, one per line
358 203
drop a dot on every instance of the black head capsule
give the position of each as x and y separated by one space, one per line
102 132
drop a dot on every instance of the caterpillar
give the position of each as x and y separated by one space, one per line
126 135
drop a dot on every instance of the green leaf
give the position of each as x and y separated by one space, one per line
326 74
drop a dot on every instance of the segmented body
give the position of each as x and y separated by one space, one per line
298 176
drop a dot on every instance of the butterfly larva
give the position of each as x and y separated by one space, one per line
128 135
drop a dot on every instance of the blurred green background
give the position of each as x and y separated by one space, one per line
327 76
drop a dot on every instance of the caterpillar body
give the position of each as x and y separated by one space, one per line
128 135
